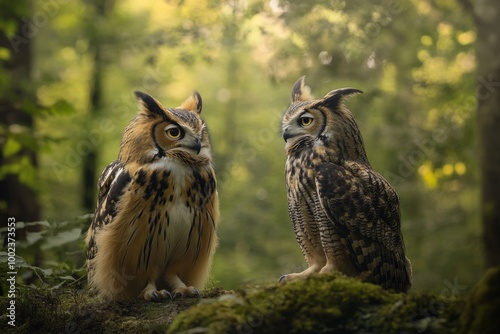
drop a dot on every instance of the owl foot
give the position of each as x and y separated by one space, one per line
292 277
312 269
289 277
152 295
188 291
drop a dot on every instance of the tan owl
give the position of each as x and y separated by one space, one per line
344 214
154 230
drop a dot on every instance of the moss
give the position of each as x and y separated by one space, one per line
419 313
51 310
45 310
482 309
321 303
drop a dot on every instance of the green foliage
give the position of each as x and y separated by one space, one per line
17 136
59 246
11 147
24 170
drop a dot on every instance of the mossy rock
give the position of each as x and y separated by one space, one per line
321 304
482 309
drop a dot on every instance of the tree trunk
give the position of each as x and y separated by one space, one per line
487 18
101 9
19 200
89 168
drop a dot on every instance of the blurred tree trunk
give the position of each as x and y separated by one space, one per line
229 42
487 19
19 200
100 9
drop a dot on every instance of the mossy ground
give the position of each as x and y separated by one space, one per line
318 304
321 304
65 310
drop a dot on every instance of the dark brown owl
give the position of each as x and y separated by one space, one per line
344 214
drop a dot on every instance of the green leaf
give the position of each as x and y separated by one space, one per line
61 107
55 287
62 238
33 237
27 173
46 272
19 261
43 223
11 147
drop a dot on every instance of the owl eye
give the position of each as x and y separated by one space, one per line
174 133
305 121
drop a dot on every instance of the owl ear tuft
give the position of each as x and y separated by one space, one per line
193 103
301 92
149 104
338 96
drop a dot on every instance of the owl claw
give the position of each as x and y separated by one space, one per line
164 294
155 297
282 279
186 292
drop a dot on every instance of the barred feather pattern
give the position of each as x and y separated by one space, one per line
344 214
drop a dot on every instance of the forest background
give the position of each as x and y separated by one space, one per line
69 69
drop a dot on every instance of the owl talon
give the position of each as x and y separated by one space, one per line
152 295
155 297
184 292
164 294
282 279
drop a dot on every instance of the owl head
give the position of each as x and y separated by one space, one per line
157 132
323 122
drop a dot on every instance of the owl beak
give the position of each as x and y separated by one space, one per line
196 146
287 135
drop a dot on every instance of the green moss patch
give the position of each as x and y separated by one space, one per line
320 304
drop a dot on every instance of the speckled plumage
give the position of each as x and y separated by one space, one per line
154 230
344 214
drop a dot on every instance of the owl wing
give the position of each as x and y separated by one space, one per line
364 208
111 185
